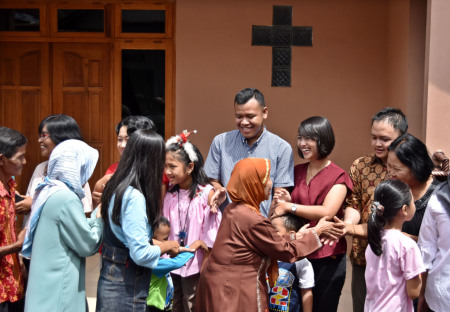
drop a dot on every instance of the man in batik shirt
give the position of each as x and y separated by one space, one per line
12 159
366 173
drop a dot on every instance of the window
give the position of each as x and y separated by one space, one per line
19 20
71 20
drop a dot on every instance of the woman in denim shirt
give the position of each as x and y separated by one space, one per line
131 202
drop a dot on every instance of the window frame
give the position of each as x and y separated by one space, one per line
144 7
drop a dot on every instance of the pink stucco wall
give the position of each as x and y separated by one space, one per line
355 67
438 86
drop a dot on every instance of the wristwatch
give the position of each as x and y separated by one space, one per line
293 208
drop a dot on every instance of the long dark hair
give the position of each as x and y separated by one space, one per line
61 128
390 196
140 167
199 176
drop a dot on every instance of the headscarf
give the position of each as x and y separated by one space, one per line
246 185
247 181
70 166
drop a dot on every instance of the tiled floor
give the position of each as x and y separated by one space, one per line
93 267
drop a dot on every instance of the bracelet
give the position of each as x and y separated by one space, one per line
353 228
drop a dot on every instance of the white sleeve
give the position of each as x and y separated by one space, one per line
87 200
428 235
305 274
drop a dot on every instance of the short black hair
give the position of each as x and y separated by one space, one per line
10 141
394 117
292 222
319 129
134 123
161 221
61 128
413 154
247 94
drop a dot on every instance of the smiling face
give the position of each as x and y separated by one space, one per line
399 171
45 142
177 172
383 134
13 166
307 147
122 139
250 119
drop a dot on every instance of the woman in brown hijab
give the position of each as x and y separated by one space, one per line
234 275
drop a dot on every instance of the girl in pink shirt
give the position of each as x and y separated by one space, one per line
188 206
394 263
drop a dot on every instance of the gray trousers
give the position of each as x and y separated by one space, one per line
358 287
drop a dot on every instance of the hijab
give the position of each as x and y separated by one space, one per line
70 166
247 182
246 185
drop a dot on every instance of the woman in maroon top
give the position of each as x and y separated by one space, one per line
320 190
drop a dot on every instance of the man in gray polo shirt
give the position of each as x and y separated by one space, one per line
251 139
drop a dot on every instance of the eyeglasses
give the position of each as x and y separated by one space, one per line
43 135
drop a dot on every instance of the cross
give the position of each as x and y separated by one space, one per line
281 36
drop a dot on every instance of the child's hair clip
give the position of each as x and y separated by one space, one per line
182 141
377 208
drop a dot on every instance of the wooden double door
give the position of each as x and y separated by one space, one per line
39 79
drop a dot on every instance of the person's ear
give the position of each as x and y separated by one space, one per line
2 158
190 168
265 112
405 210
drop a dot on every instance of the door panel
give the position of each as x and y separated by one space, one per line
24 96
81 88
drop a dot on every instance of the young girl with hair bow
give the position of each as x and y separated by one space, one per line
394 263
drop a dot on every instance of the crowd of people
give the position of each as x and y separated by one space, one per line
245 230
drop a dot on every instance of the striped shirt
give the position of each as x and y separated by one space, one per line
230 147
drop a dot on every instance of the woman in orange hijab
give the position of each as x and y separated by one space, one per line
234 275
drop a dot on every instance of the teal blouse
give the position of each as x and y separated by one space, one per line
62 241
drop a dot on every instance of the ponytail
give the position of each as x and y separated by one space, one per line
390 197
374 226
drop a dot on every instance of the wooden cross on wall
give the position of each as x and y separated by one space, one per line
281 36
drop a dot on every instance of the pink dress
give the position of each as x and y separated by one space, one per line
387 274
196 217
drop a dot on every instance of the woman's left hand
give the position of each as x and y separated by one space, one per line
279 210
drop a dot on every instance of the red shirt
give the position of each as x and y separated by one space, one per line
315 192
11 280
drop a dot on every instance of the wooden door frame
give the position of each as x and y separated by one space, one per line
140 44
